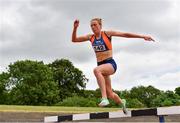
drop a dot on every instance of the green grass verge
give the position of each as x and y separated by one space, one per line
16 108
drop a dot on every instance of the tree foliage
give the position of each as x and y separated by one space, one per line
35 83
177 91
144 94
69 79
29 82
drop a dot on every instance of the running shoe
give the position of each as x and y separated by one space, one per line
104 102
124 106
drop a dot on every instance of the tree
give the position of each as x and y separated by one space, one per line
134 103
69 79
3 90
167 102
144 94
31 83
157 102
124 94
177 91
173 97
166 98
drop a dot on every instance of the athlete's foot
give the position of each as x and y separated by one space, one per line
124 106
104 102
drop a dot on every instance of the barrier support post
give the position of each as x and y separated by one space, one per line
161 119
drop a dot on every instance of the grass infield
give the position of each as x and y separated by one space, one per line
19 108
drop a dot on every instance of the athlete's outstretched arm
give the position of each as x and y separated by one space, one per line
129 35
74 34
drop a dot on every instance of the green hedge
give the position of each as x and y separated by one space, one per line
78 102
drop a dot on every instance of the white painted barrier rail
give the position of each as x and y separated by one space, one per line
160 111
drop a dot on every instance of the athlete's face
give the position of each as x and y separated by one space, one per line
95 26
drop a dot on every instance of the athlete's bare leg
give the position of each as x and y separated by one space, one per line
100 72
110 94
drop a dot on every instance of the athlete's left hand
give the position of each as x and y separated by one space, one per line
148 38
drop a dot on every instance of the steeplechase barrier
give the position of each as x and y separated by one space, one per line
160 112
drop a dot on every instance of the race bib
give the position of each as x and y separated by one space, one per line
99 48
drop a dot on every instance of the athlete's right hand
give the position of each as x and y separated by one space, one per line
76 23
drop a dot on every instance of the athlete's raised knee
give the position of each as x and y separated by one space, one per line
96 71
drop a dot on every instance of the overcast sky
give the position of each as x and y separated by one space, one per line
41 30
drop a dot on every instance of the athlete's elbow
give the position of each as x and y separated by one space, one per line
73 40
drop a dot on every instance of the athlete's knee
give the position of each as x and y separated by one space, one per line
96 71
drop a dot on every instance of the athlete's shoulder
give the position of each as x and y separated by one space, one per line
107 33
90 36
114 33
